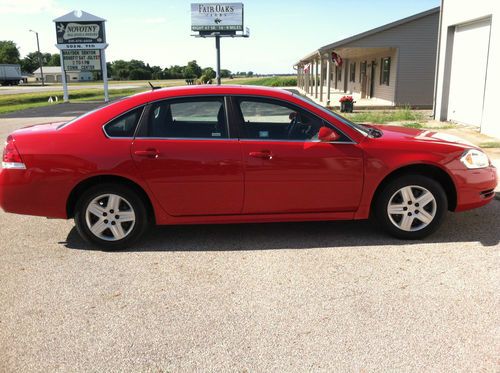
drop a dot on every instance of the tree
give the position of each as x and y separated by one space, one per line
54 60
8 52
209 72
225 73
192 70
250 73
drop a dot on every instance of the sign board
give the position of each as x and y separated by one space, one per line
217 17
82 60
80 32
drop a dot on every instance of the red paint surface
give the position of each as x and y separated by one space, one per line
229 180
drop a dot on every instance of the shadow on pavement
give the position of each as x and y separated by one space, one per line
477 225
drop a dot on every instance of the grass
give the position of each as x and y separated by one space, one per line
11 103
274 81
21 101
490 144
386 116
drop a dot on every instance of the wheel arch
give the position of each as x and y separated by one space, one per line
83 185
424 169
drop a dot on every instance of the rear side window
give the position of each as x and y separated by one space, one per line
124 125
202 118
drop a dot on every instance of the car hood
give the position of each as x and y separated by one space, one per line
424 135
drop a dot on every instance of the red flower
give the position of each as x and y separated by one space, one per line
346 99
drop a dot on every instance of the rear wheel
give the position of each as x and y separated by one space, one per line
411 206
111 216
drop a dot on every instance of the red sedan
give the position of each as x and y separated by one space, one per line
229 154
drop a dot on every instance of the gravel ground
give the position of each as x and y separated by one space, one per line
323 296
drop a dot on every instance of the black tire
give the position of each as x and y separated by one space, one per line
419 229
134 205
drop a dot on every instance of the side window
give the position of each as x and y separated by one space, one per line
385 70
124 125
270 120
188 118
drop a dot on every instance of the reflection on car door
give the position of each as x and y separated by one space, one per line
184 153
286 169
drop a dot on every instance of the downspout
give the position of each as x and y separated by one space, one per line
438 52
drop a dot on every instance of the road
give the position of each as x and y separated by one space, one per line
53 88
322 296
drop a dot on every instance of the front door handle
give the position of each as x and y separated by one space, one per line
149 153
263 154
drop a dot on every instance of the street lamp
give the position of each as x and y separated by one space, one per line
39 56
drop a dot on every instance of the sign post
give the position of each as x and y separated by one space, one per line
218 20
81 40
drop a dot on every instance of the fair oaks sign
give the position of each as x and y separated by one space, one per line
217 17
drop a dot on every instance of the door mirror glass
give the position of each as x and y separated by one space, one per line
326 134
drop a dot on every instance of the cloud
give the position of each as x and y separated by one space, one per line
149 21
31 7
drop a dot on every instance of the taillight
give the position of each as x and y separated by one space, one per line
11 157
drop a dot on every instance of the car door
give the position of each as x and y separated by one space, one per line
185 154
287 170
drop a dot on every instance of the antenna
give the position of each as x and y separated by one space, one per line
153 87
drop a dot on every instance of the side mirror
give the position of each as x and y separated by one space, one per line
326 134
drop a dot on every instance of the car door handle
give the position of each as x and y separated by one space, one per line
263 154
150 153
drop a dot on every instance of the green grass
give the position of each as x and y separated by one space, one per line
386 116
490 144
275 81
11 103
413 125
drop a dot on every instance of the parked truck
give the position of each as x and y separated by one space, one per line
10 74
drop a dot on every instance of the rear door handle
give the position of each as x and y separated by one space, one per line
150 153
263 154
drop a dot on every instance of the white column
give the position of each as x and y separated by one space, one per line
316 79
63 77
321 79
328 78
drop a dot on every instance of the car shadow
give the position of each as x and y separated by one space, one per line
477 225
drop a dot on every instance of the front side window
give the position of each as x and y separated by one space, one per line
124 125
385 70
202 118
271 120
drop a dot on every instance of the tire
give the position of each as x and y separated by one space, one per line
411 207
111 216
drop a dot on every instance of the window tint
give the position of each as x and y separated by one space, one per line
188 118
270 120
124 125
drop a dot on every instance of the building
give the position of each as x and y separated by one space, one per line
390 65
469 56
53 74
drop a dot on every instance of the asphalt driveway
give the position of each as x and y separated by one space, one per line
323 296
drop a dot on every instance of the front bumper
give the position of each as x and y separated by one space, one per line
475 188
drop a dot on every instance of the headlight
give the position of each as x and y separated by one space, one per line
474 158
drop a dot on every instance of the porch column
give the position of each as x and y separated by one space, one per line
311 76
328 78
316 79
321 79
346 77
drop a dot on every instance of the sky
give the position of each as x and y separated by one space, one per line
159 31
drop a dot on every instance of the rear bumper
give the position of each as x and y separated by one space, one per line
475 188
24 192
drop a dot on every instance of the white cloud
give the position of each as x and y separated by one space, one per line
30 7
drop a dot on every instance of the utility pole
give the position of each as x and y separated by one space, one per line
39 56
217 46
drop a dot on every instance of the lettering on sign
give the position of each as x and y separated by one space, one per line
217 17
80 32
82 60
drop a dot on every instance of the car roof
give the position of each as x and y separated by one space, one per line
208 89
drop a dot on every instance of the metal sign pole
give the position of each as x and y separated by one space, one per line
63 77
217 46
104 70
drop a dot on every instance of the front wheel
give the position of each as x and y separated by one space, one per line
411 206
111 216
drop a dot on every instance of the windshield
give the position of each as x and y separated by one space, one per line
359 127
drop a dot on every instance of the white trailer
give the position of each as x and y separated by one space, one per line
10 74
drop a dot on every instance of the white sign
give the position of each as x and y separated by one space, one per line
82 60
217 17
